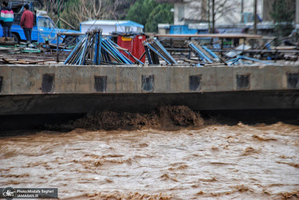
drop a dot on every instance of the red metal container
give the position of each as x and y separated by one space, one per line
133 44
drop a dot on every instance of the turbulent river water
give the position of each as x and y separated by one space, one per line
206 162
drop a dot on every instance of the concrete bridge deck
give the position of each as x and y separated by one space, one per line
59 89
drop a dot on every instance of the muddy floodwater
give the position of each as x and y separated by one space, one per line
211 162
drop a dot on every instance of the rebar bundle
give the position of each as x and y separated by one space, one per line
209 51
154 49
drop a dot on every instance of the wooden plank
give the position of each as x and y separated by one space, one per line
209 35
70 33
8 43
286 47
191 61
26 61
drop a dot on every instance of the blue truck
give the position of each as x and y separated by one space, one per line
44 29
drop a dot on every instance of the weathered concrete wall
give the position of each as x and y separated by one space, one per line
154 79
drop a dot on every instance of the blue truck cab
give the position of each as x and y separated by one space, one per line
44 29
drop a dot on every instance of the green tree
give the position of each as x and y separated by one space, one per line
141 10
283 15
149 13
160 14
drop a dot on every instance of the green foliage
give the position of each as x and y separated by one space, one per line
141 10
283 15
149 13
146 12
161 14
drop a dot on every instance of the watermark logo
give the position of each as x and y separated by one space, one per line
9 193
28 193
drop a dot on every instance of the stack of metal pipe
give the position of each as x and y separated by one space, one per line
88 50
155 49
111 55
92 49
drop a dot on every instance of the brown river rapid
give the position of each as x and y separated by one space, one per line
153 160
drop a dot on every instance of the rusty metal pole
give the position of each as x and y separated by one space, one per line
242 11
213 16
58 10
57 50
209 14
255 17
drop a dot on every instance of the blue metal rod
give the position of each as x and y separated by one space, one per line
148 55
111 54
136 59
113 51
89 45
84 49
165 51
100 48
200 53
210 52
95 58
128 61
158 53
74 50
239 58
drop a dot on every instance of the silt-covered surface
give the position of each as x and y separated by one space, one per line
207 162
